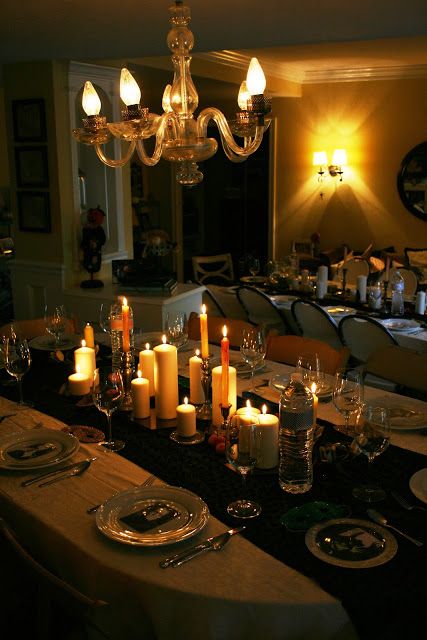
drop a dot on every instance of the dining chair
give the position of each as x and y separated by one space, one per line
288 348
56 608
215 325
355 267
212 305
36 327
404 367
226 299
409 276
213 269
314 322
261 310
362 335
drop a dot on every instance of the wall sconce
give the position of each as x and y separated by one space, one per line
339 160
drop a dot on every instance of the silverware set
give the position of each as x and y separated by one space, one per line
75 469
405 503
215 543
378 517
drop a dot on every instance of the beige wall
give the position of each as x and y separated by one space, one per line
378 123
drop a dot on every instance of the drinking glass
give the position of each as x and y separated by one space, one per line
107 394
372 439
105 317
17 360
308 365
176 328
242 451
348 395
252 349
254 266
55 320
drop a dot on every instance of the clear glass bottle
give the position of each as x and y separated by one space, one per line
397 294
116 321
296 433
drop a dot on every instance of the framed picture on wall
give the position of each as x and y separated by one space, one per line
29 120
34 211
31 167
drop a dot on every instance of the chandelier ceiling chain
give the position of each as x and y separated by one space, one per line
179 137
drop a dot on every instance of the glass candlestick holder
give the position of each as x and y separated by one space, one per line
204 412
127 370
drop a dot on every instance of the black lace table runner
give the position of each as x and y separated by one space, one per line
380 601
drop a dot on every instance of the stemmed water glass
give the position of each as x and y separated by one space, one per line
252 349
242 446
254 266
17 360
105 317
308 365
107 394
55 321
176 328
372 439
348 395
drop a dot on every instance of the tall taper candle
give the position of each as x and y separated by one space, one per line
146 364
125 320
204 332
88 336
225 361
196 390
217 393
166 380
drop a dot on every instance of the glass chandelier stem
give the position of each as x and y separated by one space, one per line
115 163
251 144
160 134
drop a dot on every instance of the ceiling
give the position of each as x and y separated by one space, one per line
302 40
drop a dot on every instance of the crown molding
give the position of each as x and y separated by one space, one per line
283 71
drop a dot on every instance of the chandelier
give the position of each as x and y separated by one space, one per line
179 136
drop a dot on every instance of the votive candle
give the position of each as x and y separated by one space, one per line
146 364
84 360
196 390
140 392
79 384
186 419
268 428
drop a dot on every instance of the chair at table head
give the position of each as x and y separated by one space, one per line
288 348
355 267
315 322
403 367
409 277
215 326
261 310
57 609
217 269
363 335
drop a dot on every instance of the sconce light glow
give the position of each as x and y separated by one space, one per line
90 100
339 157
130 92
320 159
255 79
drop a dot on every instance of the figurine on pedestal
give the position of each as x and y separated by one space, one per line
93 238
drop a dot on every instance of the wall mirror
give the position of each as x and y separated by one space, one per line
412 181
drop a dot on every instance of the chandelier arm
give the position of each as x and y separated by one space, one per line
251 144
115 163
150 161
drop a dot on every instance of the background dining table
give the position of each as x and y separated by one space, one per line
265 583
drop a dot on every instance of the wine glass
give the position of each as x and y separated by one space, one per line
254 266
252 349
176 328
17 360
107 394
242 451
308 365
55 321
372 439
105 317
348 394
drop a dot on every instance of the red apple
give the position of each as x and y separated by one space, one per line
213 440
220 447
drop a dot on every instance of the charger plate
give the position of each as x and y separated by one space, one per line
418 485
351 543
36 449
193 515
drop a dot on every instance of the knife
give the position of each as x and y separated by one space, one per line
77 471
215 543
42 476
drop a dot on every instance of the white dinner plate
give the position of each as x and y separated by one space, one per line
405 326
418 485
36 449
339 311
405 414
191 515
47 343
351 543
254 279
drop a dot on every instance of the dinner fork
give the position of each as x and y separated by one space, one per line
147 483
404 502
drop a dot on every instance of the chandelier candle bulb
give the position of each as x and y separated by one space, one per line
225 362
186 419
140 391
84 360
268 427
196 390
217 418
166 380
125 321
146 365
89 336
204 332
79 384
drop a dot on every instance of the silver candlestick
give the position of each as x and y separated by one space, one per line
127 370
204 412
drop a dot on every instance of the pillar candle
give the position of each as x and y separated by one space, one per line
248 411
146 364
125 322
225 361
196 390
186 419
88 336
204 332
140 391
166 380
217 393
84 360
362 287
79 384
322 273
268 428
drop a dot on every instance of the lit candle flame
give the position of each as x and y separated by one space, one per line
164 339
139 373
264 409
224 331
83 343
185 400
147 346
313 387
197 352
203 308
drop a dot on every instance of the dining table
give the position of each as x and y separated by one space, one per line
266 582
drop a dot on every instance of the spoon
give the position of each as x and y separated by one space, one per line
376 516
